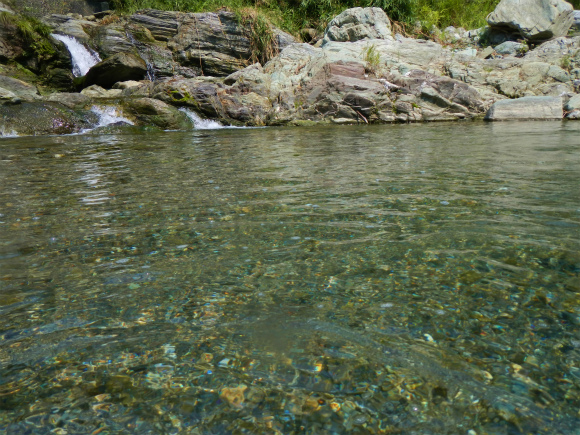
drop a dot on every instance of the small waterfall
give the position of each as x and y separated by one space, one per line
145 56
198 123
82 57
107 115
4 133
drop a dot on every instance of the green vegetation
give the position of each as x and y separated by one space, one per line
292 15
372 58
32 31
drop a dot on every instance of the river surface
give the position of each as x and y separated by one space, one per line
415 279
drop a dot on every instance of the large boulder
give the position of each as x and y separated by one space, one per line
572 107
8 97
213 43
49 118
535 20
526 108
163 25
358 23
218 43
149 111
118 68
113 39
22 90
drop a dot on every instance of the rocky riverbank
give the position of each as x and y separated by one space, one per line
227 68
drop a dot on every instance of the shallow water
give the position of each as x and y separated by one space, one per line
418 279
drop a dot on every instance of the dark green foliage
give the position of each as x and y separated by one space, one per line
31 30
292 15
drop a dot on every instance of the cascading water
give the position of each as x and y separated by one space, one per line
82 57
144 55
107 115
7 133
201 124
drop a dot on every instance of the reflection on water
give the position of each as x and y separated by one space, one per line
390 279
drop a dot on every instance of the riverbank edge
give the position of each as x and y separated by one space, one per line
374 76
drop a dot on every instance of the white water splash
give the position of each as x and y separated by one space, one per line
82 57
5 133
201 124
109 115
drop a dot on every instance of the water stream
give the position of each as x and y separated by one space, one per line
82 57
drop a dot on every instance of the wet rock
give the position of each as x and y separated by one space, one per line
358 23
117 68
72 100
526 108
59 78
538 20
202 95
49 118
22 90
7 97
149 111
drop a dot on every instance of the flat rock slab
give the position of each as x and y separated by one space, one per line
526 108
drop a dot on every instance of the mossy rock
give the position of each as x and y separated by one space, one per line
49 118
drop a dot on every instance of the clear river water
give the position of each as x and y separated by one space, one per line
414 279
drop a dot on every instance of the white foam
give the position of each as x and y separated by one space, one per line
82 57
109 115
4 133
199 123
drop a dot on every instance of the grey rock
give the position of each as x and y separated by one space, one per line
215 44
96 91
72 100
535 20
485 53
576 23
5 8
283 39
358 23
163 25
573 104
526 108
127 85
149 111
117 68
22 90
49 118
8 97
510 48
113 39
467 52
